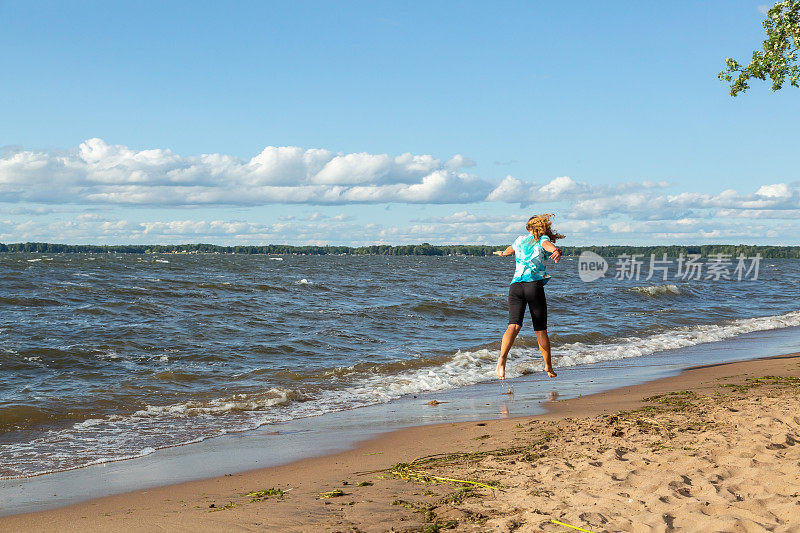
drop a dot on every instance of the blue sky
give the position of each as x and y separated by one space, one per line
606 113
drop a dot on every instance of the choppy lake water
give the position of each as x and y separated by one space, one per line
110 356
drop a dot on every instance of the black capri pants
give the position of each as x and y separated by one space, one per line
530 294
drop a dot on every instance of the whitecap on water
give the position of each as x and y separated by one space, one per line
657 290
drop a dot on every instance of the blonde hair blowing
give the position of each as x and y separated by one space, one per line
539 225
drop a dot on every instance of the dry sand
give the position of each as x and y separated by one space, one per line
716 448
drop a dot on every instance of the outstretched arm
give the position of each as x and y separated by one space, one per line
507 251
555 253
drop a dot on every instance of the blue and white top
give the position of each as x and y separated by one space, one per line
530 256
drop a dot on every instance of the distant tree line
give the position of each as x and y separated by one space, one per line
382 249
707 250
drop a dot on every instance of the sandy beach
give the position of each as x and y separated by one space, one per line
712 449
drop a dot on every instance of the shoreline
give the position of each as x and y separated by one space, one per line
312 436
214 503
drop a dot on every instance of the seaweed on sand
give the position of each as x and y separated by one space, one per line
428 511
332 494
261 495
407 471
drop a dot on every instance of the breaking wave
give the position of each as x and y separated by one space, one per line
656 290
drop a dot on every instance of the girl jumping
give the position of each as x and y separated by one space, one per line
527 287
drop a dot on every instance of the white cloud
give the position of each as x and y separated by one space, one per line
110 176
37 210
562 186
458 161
459 227
753 214
97 172
778 200
513 190
778 190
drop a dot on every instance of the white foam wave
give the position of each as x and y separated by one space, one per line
92 422
142 453
237 402
475 366
276 258
470 367
303 281
656 290
161 261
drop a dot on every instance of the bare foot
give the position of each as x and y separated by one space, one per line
550 372
500 370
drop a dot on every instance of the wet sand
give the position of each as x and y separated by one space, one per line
715 448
